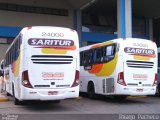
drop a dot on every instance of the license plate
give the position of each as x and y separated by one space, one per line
52 92
139 90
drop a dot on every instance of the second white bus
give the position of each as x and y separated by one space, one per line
119 67
42 63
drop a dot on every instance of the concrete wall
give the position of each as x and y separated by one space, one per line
22 19
19 19
40 3
3 48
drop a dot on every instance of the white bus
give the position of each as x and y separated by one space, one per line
42 63
158 82
120 67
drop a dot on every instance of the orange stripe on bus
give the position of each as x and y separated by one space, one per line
96 68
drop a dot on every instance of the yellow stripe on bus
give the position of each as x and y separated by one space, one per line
53 51
141 57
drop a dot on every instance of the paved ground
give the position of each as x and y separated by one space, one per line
85 106
82 108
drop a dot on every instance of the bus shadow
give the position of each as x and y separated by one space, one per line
42 106
111 99
123 101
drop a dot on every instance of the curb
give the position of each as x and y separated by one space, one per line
79 98
136 96
3 98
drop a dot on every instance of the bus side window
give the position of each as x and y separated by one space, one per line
109 53
158 62
19 40
94 56
81 59
8 58
85 58
158 59
105 54
16 49
90 56
110 50
97 57
14 55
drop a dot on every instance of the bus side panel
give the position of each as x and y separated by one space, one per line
18 68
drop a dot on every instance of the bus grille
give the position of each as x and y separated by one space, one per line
140 64
51 59
108 85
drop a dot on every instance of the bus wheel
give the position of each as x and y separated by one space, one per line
120 97
158 89
8 94
57 101
16 101
91 91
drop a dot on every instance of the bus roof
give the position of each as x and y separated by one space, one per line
118 40
38 27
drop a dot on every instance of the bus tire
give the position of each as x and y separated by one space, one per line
158 88
91 91
15 100
57 101
8 94
122 97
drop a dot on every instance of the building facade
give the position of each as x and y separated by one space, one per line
95 20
